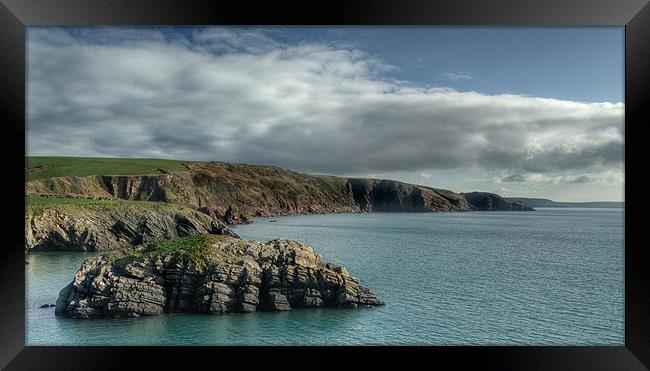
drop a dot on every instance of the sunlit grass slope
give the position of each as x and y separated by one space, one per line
49 167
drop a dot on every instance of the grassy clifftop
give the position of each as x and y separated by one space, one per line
50 167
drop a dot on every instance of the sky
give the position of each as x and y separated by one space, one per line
528 112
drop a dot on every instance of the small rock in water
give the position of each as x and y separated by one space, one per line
45 306
52 305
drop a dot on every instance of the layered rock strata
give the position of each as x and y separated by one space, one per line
221 275
88 228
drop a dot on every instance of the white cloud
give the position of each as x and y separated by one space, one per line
229 95
607 177
457 76
505 190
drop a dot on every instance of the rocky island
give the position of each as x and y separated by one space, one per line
209 274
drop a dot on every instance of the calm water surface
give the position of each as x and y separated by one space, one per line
550 277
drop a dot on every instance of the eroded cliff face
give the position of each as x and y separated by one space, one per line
484 201
387 195
229 275
125 187
93 229
236 192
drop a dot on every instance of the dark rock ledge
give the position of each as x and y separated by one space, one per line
209 274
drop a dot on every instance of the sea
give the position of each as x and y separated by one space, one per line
554 276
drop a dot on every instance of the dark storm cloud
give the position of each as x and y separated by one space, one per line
244 96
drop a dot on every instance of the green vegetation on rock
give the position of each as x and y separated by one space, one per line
197 249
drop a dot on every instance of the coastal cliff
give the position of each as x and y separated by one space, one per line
236 192
54 223
484 201
209 274
392 196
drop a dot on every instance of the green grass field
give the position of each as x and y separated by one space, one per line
49 167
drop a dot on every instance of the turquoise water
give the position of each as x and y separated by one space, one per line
550 277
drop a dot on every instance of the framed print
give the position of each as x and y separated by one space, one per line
215 180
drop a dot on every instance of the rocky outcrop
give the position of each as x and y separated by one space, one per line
96 228
212 275
235 193
484 201
144 187
125 187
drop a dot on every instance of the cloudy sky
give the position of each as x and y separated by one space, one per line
534 112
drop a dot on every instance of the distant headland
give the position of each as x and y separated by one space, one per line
543 202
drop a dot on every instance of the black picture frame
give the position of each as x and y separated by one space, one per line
15 15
